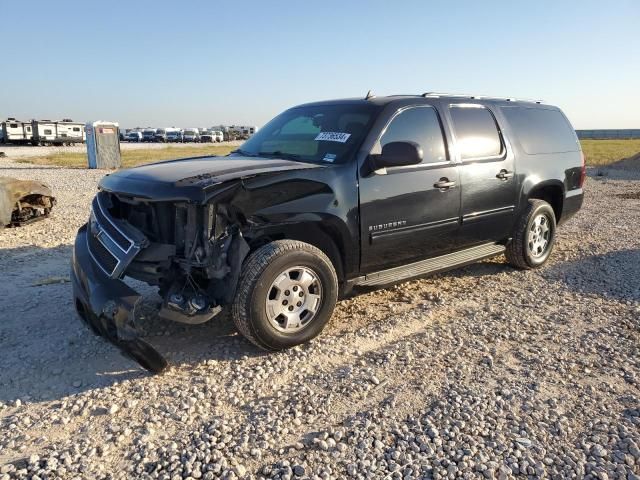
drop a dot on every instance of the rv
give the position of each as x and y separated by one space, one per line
207 136
191 135
134 136
242 132
174 135
15 131
161 135
149 135
65 132
42 132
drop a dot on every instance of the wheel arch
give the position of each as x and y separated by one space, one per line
322 236
551 191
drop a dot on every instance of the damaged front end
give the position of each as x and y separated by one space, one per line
192 252
23 201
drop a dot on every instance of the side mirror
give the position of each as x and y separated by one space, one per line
398 154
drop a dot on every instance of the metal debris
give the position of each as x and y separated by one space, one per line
23 201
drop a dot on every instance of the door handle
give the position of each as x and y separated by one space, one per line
504 174
444 184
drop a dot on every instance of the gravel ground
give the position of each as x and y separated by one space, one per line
484 372
22 151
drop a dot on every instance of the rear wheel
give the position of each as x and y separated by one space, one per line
534 236
286 295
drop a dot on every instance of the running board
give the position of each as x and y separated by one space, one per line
431 265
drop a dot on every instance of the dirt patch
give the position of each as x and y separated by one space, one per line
629 195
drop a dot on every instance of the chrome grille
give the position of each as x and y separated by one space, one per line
110 247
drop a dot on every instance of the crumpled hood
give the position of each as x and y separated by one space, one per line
176 179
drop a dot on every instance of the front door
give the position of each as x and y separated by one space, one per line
411 212
487 174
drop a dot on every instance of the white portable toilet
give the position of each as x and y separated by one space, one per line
103 145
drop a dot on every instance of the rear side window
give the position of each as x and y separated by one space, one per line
541 130
476 131
420 125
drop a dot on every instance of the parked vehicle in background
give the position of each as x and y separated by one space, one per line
191 135
16 132
160 135
42 132
174 136
218 135
149 135
134 136
64 132
242 132
207 136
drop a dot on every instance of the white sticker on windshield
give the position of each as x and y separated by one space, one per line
329 157
333 137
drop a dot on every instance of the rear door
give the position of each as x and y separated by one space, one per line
405 216
487 174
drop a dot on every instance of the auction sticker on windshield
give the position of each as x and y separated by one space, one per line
333 137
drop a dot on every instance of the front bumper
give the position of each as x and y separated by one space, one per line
107 305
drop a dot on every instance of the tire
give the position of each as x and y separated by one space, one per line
521 251
278 262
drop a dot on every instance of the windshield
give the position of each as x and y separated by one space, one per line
189 132
160 131
149 132
316 133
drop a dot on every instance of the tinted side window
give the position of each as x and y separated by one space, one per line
420 125
541 130
476 132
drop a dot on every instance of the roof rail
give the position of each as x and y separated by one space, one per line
479 97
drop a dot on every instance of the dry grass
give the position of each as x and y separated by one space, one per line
597 152
131 158
605 152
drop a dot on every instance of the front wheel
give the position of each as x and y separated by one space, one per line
534 236
285 296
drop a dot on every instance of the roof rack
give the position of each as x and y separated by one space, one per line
479 97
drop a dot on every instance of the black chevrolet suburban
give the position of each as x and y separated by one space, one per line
325 197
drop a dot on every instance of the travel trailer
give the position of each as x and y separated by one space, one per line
15 131
64 132
42 132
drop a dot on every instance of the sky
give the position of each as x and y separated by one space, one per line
203 63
